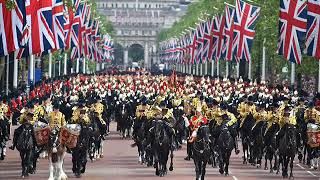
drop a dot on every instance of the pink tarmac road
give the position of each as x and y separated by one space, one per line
120 162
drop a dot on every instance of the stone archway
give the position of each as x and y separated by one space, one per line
136 53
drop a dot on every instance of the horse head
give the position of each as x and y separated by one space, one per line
54 142
203 134
291 134
158 131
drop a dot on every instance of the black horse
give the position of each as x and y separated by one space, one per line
179 127
201 151
80 152
25 146
4 136
96 139
124 120
257 142
287 148
139 138
245 131
225 147
161 146
270 146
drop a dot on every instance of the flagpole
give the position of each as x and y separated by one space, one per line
190 69
238 70
7 76
84 65
263 74
218 68
77 65
212 68
227 69
50 65
15 72
65 64
31 59
197 69
59 72
201 69
249 72
206 68
293 72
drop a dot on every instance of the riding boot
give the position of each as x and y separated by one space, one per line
189 152
15 137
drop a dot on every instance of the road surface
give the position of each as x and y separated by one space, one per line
121 163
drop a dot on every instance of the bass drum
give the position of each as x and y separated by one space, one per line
69 135
313 132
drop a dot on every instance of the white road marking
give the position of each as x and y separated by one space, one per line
307 171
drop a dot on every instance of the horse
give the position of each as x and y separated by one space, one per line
271 146
287 149
139 138
161 145
124 121
179 127
56 154
258 143
4 136
245 131
225 147
80 152
25 146
96 140
201 151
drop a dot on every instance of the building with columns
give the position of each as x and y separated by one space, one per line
139 21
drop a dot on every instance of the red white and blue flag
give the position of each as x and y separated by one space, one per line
245 19
11 26
313 29
228 33
218 38
58 24
292 29
39 27
200 41
193 45
206 42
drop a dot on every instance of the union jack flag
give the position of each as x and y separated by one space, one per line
245 19
69 16
313 29
39 25
58 23
292 29
228 33
193 45
75 31
206 42
218 26
200 42
11 26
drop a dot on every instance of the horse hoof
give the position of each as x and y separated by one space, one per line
221 171
227 174
244 162
157 173
171 168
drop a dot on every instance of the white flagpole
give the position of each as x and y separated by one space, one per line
7 76
218 68
84 65
263 74
65 64
77 65
50 65
31 68
249 73
293 72
227 69
238 70
206 68
15 72
201 69
212 68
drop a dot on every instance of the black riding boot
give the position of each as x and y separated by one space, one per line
15 137
189 152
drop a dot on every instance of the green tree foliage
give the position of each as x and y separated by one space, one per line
266 28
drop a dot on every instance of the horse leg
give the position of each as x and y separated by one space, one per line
244 153
266 161
197 168
101 149
156 164
63 175
203 170
291 167
285 166
22 156
227 159
50 167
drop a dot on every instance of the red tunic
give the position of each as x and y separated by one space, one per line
195 123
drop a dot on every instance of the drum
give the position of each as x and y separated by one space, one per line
69 135
313 131
41 132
